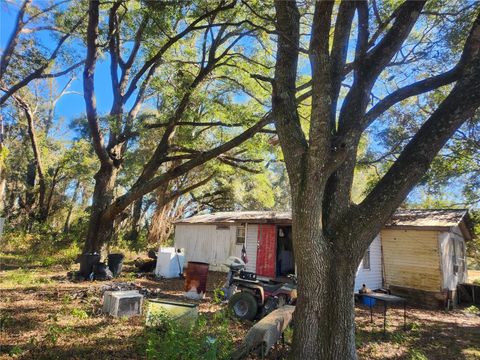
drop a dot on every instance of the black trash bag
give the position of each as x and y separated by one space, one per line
87 263
146 266
115 263
101 272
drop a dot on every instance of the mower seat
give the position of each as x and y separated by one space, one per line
272 287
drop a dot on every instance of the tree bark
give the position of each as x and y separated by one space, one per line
13 40
42 212
66 226
30 177
134 232
100 226
324 317
330 232
104 209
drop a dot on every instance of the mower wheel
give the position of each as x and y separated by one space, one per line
243 305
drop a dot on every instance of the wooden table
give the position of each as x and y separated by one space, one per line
388 299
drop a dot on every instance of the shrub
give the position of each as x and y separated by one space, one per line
208 339
472 309
218 295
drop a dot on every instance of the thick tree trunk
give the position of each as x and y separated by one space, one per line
134 232
324 315
100 227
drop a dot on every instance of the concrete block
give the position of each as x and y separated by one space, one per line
122 303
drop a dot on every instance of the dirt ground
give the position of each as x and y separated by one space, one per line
45 316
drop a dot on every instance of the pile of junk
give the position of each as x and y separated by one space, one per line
92 268
166 263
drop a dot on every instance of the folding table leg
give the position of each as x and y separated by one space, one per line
384 318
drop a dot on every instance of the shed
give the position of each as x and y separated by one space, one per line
424 253
267 238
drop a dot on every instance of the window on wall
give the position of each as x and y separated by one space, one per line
454 257
462 264
366 260
241 234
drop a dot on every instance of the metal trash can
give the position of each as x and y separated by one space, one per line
196 280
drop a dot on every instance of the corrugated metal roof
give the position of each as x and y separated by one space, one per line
427 217
436 219
430 218
239 216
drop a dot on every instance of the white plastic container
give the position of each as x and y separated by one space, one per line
169 263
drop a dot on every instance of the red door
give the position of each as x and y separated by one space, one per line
267 250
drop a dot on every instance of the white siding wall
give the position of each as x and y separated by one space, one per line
448 240
373 277
203 242
251 246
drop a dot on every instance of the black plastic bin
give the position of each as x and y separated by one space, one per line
115 263
87 262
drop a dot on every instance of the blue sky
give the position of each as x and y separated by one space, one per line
73 106
70 106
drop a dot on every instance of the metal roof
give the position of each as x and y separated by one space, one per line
239 216
404 218
427 217
434 219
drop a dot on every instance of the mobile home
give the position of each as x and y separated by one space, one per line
419 254
266 238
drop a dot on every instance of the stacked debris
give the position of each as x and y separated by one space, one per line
128 286
91 268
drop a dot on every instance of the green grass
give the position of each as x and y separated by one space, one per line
23 277
63 257
415 354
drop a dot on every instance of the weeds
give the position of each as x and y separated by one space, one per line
415 354
23 277
55 330
15 351
208 339
218 296
53 333
79 314
5 321
472 310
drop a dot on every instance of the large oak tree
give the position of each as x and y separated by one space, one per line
142 40
331 232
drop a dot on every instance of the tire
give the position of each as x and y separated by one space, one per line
243 305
